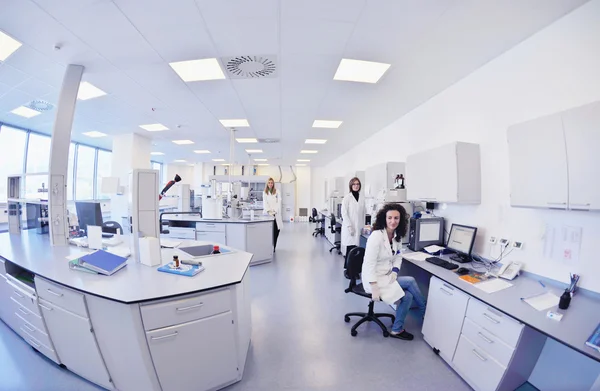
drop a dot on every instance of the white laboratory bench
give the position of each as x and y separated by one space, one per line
251 235
136 330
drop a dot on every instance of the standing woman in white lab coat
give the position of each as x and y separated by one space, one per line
381 266
353 216
272 206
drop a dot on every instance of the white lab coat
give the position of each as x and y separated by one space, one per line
377 266
272 203
353 215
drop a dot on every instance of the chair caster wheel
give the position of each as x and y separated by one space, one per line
347 319
354 333
386 334
346 274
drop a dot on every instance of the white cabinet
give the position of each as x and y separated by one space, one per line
258 238
198 355
477 366
450 173
381 177
538 164
75 343
446 307
582 137
213 237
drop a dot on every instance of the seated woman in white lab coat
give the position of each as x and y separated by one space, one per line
381 266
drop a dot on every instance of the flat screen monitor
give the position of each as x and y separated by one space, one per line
88 213
461 239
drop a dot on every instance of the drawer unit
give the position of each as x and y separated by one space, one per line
26 314
2 267
487 341
212 237
182 233
499 324
41 347
478 368
61 296
27 328
169 313
210 227
25 297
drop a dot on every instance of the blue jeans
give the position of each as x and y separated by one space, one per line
411 292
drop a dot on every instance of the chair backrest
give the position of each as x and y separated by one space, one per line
333 223
354 264
111 227
314 213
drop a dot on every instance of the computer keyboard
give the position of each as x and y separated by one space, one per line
443 263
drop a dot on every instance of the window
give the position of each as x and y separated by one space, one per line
84 185
70 173
103 170
38 154
12 151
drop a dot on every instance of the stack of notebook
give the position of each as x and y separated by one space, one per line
99 262
594 339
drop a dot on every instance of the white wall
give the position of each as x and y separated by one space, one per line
554 70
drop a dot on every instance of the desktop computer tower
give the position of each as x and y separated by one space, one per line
425 231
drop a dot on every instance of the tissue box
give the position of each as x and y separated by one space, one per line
150 251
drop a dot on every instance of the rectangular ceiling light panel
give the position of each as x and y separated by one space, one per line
94 134
315 141
154 127
360 71
89 91
183 142
234 123
198 70
8 45
246 140
321 123
25 112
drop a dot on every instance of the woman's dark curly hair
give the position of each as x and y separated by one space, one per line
380 222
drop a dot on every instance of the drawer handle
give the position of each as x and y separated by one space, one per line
44 307
28 327
486 339
446 292
164 336
21 310
491 319
54 293
190 307
36 345
479 356
18 294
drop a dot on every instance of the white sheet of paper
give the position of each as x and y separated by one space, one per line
76 255
493 285
416 256
94 235
433 249
544 301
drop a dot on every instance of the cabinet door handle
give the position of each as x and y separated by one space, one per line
21 310
164 336
491 319
28 327
44 307
580 206
18 294
556 203
54 293
36 345
190 307
479 356
446 292
486 339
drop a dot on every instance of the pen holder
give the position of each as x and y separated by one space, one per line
565 300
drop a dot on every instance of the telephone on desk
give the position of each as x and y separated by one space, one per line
510 270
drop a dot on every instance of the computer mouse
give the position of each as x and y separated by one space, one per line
462 271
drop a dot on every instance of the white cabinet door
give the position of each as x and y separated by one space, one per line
582 136
446 307
259 241
198 355
478 367
75 343
538 163
212 237
4 298
433 175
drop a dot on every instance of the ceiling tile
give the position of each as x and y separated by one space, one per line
334 10
11 76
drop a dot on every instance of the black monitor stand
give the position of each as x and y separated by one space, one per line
460 258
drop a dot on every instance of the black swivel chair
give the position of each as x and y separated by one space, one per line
337 245
355 261
320 229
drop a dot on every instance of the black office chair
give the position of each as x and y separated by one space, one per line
337 245
355 261
111 227
320 229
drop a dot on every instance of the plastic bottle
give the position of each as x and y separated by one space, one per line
176 261
216 250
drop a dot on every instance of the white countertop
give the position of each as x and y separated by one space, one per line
233 220
135 283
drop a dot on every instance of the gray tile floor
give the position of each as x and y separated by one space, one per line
299 338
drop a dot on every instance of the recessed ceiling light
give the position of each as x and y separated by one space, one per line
360 71
322 123
218 160
8 45
198 70
156 153
260 160
25 112
300 165
254 150
226 164
309 151
94 134
263 164
315 141
89 91
180 161
304 160
246 140
201 151
154 127
183 142
234 123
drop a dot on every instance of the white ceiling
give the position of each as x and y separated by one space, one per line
126 45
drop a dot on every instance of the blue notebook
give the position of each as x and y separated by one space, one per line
183 270
103 262
594 339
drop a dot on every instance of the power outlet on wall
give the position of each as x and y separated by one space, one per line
517 245
504 242
493 240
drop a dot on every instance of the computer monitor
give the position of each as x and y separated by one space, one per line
425 232
461 240
88 213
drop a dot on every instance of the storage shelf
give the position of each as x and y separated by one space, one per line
28 201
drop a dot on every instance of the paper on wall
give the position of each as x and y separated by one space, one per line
562 243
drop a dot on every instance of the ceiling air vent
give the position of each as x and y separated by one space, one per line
251 67
268 140
40 105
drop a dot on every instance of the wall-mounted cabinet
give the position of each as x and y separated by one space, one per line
554 159
450 173
382 177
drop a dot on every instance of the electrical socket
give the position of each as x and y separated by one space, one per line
504 242
517 245
493 240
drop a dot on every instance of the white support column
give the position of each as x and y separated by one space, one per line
59 155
